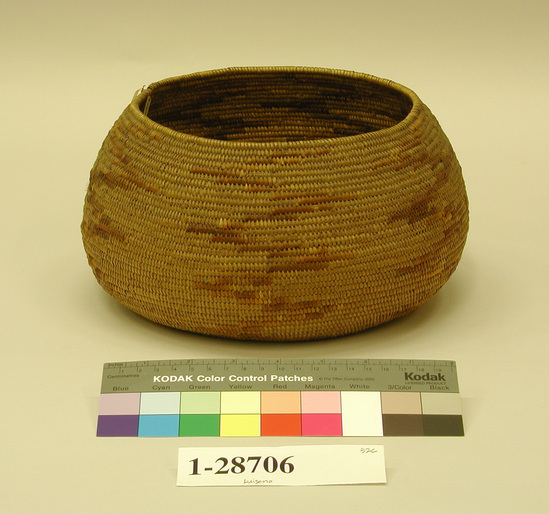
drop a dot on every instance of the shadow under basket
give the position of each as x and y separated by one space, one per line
277 204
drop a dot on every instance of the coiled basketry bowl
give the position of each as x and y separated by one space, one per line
275 204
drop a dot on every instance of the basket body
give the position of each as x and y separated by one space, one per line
275 204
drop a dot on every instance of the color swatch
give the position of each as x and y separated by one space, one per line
279 413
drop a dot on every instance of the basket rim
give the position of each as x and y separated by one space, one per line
141 96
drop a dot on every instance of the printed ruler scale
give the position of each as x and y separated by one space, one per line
280 397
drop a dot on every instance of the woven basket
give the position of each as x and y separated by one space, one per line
275 204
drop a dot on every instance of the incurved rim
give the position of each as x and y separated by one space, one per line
141 97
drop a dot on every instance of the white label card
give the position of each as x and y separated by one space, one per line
281 465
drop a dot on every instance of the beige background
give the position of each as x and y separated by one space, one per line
68 68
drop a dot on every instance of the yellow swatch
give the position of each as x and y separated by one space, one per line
240 425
